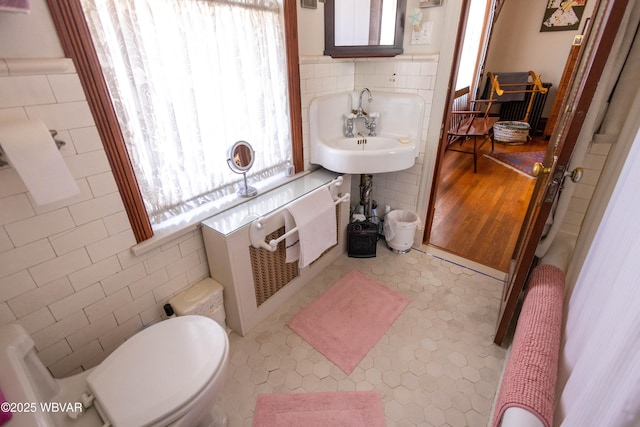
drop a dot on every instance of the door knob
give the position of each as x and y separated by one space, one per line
575 175
538 168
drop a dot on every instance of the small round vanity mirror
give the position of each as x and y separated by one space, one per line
240 160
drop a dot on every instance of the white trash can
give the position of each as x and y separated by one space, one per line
399 229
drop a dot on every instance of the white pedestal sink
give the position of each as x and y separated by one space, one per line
396 146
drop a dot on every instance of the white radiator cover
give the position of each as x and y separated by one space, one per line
229 261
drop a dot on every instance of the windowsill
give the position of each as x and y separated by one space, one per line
266 204
183 224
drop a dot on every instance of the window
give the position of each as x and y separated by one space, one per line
187 80
270 116
476 29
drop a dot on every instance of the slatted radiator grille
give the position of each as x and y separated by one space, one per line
270 270
460 103
516 110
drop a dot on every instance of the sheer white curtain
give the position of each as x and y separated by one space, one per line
188 78
599 373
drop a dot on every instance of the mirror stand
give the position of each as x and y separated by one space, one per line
247 191
240 159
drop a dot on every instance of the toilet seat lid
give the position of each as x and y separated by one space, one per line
158 370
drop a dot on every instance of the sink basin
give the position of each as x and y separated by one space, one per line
368 155
396 146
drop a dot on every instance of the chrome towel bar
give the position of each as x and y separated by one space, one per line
258 232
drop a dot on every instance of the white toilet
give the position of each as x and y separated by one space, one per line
166 375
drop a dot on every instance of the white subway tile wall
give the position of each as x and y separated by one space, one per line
592 165
321 75
66 270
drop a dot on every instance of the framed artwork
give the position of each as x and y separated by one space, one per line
562 15
309 4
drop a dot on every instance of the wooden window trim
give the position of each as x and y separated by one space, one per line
293 72
75 38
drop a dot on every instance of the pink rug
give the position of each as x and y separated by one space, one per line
335 409
348 319
529 380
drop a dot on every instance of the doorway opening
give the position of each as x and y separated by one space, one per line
478 215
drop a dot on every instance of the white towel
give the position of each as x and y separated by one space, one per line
33 153
292 242
314 215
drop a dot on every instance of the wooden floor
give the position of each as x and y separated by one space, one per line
478 216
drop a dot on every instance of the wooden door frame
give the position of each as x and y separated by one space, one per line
565 134
453 76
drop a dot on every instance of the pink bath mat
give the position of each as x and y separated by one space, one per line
348 319
335 409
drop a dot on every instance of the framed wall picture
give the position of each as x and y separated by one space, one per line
562 15
309 4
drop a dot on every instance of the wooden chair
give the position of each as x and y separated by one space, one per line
467 122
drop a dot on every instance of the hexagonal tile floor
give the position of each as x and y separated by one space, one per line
436 365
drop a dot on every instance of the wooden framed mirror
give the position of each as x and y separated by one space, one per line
373 28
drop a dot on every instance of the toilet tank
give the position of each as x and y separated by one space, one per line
23 377
205 298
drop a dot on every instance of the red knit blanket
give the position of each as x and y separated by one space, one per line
529 379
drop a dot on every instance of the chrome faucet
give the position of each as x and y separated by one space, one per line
369 120
359 112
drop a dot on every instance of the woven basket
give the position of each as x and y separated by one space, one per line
511 131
